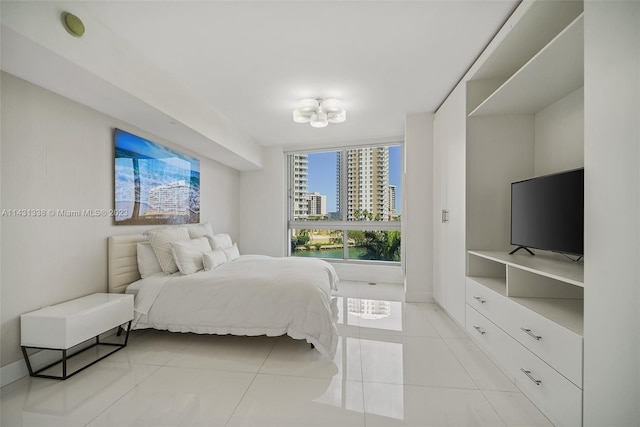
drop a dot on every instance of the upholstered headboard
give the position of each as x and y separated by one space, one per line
123 261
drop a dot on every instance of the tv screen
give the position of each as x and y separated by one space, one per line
548 212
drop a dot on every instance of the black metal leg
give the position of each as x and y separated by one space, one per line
64 364
26 359
65 356
126 337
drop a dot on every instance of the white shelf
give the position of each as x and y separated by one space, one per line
566 312
496 284
564 271
559 300
556 71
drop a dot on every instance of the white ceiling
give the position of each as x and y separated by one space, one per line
251 61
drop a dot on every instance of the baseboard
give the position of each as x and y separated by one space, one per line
368 272
18 369
419 297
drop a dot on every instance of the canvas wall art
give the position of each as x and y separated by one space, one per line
154 184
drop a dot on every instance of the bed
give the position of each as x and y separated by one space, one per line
250 295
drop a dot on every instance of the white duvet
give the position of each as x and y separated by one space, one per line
253 295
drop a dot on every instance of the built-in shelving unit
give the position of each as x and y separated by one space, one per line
549 287
563 270
524 117
526 311
554 72
519 113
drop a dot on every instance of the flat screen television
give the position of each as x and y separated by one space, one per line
547 213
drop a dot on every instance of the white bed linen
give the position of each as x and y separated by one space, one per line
253 295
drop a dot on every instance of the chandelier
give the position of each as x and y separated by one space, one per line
319 112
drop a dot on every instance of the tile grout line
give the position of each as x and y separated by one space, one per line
250 384
157 368
123 395
460 362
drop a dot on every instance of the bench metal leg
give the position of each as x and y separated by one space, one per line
65 357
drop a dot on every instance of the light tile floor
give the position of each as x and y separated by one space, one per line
409 365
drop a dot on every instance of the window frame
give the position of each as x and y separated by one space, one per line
343 224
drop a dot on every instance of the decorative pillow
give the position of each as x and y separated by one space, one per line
213 259
188 254
199 230
232 253
147 260
221 241
160 239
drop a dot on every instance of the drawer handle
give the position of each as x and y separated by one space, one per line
531 334
479 329
528 374
482 300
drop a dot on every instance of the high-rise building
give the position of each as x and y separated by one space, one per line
317 204
369 309
300 177
170 198
392 198
368 183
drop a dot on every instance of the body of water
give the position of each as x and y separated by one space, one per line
354 253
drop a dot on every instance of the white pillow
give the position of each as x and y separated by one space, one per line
232 253
147 260
199 230
221 241
188 254
213 259
160 239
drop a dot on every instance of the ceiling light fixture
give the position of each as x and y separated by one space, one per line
319 112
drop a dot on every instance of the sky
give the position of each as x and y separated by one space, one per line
322 175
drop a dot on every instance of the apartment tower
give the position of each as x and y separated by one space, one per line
368 183
300 178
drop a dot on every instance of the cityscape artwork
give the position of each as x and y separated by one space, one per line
154 184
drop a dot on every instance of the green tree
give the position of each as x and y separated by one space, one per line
336 237
301 239
382 245
358 237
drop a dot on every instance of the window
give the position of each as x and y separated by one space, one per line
346 204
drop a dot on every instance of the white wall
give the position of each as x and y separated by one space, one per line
612 214
263 212
559 135
417 215
500 150
106 73
58 154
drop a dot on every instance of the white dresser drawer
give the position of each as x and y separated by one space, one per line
555 344
497 343
489 303
556 396
558 346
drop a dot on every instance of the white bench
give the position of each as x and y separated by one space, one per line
63 326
